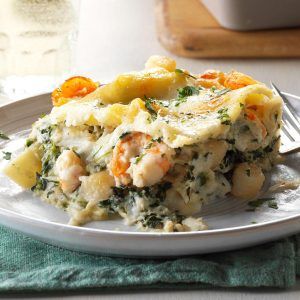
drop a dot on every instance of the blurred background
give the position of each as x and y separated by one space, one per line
116 36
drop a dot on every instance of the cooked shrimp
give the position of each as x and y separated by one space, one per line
72 88
69 167
252 116
139 159
232 80
211 78
212 74
236 80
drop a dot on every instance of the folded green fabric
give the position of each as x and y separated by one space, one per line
30 265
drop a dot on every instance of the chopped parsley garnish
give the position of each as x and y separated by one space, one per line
3 136
259 202
139 158
51 153
100 167
149 106
185 92
6 155
29 142
223 116
158 140
83 203
152 220
46 133
180 71
242 105
230 158
124 134
123 197
188 91
273 204
41 183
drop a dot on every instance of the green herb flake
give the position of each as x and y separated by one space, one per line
272 204
28 143
139 158
149 107
41 183
259 202
6 155
242 105
124 134
152 220
3 136
185 92
180 71
223 116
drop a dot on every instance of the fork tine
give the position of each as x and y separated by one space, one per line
290 95
285 99
288 109
283 137
291 130
286 132
293 118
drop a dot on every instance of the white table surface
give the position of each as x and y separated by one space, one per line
117 36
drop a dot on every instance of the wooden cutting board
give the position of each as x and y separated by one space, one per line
186 28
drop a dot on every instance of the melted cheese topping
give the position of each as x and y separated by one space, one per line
194 121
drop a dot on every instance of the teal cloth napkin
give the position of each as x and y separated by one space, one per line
30 265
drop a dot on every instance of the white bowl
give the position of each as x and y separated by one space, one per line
255 14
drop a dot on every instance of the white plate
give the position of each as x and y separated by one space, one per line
230 224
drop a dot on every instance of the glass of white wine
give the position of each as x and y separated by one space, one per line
37 44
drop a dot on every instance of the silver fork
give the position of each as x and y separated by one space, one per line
290 130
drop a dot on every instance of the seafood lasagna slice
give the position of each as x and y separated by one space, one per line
151 146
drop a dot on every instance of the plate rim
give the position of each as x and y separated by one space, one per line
208 232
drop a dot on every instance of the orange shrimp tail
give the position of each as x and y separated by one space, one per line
236 80
74 87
